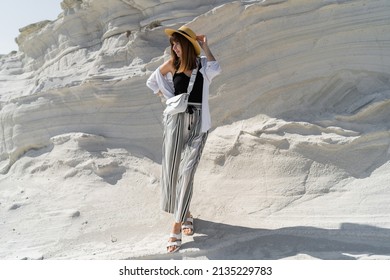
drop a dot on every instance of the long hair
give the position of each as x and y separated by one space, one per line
188 59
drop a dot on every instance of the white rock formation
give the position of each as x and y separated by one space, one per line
298 154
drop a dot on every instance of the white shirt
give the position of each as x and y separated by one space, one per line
210 69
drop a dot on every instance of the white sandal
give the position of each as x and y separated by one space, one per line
176 243
188 226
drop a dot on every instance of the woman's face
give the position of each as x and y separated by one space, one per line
177 48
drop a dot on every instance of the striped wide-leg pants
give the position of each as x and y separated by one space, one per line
183 144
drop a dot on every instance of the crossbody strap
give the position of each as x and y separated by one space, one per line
193 77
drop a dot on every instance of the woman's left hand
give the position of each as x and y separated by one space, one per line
202 40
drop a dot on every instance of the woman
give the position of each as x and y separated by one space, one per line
185 133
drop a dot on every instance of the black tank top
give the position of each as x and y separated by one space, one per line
181 81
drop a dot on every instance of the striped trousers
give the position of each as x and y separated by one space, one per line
183 144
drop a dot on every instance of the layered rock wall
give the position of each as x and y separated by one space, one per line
304 82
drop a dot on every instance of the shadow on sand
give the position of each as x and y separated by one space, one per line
216 241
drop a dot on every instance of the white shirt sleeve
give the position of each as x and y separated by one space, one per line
157 82
210 69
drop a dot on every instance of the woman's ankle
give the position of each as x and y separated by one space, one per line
176 227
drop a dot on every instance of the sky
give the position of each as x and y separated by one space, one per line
15 14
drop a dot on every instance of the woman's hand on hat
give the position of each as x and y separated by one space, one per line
202 40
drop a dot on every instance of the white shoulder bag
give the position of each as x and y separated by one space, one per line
179 103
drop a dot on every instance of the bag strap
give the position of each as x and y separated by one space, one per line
193 77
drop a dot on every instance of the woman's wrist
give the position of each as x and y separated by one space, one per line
208 53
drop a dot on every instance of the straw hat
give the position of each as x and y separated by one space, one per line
189 34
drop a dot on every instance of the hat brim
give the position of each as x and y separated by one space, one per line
195 43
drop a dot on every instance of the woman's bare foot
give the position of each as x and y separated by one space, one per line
175 231
188 226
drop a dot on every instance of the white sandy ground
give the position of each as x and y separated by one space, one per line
296 165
